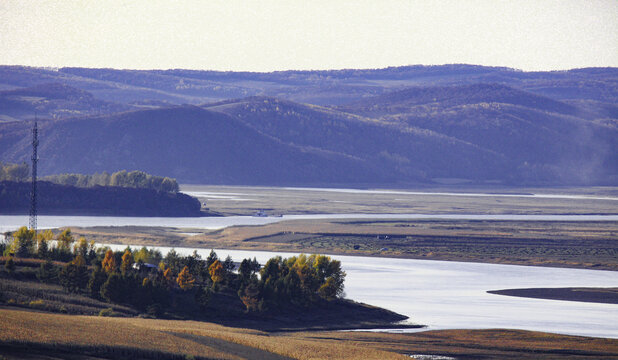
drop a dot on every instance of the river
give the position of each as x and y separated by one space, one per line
453 295
441 295
12 222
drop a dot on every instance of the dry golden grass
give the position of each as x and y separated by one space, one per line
216 341
486 344
147 334
93 331
563 244
286 201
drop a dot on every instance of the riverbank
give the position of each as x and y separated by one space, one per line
34 335
582 244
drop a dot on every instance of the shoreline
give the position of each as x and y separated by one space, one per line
435 257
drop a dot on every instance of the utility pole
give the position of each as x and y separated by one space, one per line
35 160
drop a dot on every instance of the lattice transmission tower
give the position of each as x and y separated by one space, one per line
35 160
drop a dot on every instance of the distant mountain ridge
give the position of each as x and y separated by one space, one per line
384 127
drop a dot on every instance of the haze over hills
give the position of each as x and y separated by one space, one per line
385 127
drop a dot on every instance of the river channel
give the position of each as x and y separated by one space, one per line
453 295
439 294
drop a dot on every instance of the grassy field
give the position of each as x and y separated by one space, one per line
579 244
55 335
241 200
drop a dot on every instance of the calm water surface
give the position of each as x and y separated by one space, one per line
12 222
453 295
442 295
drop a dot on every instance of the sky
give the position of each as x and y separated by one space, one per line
269 35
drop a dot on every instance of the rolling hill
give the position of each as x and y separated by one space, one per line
545 139
52 100
186 142
411 154
377 127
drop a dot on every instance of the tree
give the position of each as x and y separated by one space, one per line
334 276
14 172
96 281
217 272
127 262
23 242
109 262
250 296
43 243
47 272
74 275
212 257
246 270
330 290
113 290
9 264
185 280
81 247
168 277
173 260
147 256
202 297
65 240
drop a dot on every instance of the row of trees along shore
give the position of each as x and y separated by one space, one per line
132 179
153 283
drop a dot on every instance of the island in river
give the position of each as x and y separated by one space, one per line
55 199
596 295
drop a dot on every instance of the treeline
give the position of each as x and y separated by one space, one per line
14 172
131 179
54 199
158 285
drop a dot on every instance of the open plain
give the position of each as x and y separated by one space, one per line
581 244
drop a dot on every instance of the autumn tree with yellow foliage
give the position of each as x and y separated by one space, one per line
185 280
216 271
109 262
127 262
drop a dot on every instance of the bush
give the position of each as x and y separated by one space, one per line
109 312
37 304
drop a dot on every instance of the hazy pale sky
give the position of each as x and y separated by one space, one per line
308 34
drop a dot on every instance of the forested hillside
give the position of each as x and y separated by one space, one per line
386 127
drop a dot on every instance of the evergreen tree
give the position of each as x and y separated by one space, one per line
212 257
113 290
96 281
74 275
47 272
